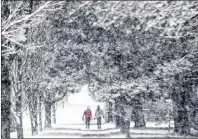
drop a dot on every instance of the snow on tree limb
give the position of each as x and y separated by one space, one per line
28 17
13 28
162 15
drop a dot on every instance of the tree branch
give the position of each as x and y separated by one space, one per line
96 77
26 17
58 99
12 14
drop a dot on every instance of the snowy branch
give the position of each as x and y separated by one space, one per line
27 17
59 99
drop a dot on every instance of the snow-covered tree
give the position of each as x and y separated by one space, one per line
128 52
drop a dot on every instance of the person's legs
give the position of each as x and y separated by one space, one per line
99 122
88 122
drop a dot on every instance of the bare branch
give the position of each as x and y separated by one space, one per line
79 8
27 17
13 14
12 40
58 99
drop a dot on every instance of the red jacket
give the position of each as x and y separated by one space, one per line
88 114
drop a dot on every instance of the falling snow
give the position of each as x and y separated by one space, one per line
99 69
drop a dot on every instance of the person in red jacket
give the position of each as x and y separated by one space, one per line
88 116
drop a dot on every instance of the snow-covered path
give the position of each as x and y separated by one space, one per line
108 131
70 125
79 131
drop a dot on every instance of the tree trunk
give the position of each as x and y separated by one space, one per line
128 112
181 119
125 120
5 100
33 105
122 120
54 108
18 94
122 125
126 109
117 114
34 123
192 109
122 113
48 115
127 128
110 114
175 117
54 112
117 120
181 114
19 117
40 112
138 115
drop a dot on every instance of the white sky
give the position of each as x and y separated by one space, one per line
76 105
81 98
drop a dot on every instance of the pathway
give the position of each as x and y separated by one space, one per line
108 131
70 124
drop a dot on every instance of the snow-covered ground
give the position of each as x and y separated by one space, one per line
74 108
70 125
70 114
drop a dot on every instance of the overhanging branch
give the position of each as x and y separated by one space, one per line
59 98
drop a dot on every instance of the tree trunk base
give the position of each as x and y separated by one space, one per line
139 119
48 115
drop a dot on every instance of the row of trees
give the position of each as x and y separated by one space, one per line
31 73
130 55
138 56
133 55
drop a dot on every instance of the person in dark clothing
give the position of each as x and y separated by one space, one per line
98 115
88 116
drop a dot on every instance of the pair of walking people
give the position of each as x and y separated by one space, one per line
88 116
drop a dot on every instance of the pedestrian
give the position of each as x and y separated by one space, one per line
98 115
88 116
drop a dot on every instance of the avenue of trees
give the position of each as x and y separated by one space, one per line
129 54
